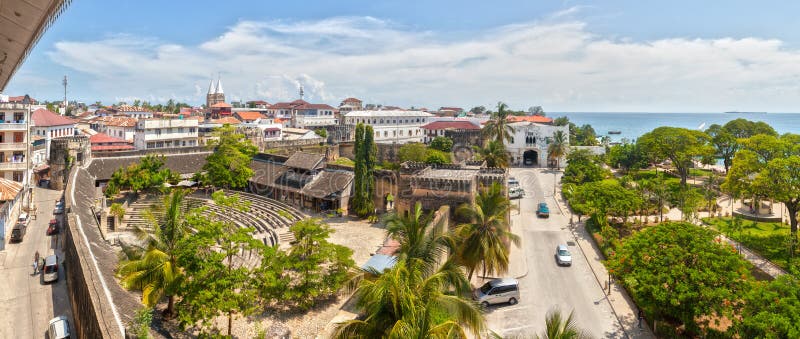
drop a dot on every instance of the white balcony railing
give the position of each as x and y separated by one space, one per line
13 166
12 146
12 125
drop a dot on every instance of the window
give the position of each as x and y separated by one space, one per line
377 134
401 133
410 133
19 117
19 137
18 176
381 120
385 134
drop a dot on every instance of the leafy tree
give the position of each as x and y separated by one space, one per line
157 273
770 310
583 167
680 145
116 210
584 135
478 110
218 278
314 267
743 128
441 143
626 156
780 180
413 151
497 128
365 162
229 164
767 147
485 239
494 154
561 121
417 240
557 327
140 325
437 157
725 144
321 132
557 147
144 175
679 272
606 197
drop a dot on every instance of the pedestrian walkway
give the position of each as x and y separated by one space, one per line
621 303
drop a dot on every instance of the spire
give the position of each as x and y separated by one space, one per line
219 87
211 87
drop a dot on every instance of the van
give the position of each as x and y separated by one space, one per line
59 328
497 291
18 232
23 218
516 192
50 269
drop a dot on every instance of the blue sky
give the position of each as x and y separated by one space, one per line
564 55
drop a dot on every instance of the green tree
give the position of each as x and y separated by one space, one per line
626 156
365 161
413 151
437 157
321 132
558 327
419 240
157 273
485 239
770 310
497 128
314 267
583 167
443 144
558 147
678 272
680 145
494 154
606 197
229 165
478 110
145 175
780 180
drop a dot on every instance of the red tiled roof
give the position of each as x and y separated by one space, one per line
101 138
127 147
221 105
19 99
227 120
437 125
530 118
271 129
45 118
351 100
9 189
249 115
129 108
457 109
258 102
119 121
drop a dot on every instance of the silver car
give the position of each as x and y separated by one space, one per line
516 192
497 291
50 269
563 257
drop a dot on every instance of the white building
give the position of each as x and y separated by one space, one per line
51 125
13 141
302 114
528 146
120 127
152 133
392 126
134 112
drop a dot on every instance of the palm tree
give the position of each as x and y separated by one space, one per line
558 147
418 297
497 127
494 154
556 327
157 273
485 239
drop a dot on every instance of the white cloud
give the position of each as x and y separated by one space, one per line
559 64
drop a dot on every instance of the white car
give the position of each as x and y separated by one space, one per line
512 182
563 257
516 192
58 328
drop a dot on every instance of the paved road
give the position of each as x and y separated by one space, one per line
28 304
548 286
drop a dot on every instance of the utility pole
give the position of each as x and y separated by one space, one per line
64 82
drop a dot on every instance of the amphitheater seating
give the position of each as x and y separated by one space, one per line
270 218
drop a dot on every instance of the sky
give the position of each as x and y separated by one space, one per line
566 56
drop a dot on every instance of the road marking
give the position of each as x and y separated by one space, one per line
509 309
516 328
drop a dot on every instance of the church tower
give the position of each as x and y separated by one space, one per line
215 93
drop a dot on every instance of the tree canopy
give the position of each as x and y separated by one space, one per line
229 165
679 145
441 143
146 174
364 168
583 167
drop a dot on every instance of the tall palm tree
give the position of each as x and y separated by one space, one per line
497 128
486 238
418 297
556 327
494 154
157 273
558 147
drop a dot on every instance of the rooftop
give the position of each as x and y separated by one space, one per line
102 138
530 118
45 118
9 189
306 161
388 113
226 120
249 115
462 124
221 105
451 174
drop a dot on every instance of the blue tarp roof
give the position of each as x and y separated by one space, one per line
379 262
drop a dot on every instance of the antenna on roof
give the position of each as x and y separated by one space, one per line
301 92
64 82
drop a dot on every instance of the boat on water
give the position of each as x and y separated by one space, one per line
615 132
743 112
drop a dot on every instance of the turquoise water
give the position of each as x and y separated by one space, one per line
633 125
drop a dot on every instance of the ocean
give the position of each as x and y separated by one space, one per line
633 125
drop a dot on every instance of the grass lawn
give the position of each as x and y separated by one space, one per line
699 172
769 239
344 161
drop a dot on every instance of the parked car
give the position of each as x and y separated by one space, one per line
59 209
50 269
52 227
512 182
18 232
58 328
563 257
23 218
516 192
542 211
497 291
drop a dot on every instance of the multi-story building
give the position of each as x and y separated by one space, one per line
51 125
349 105
302 114
152 133
14 141
134 112
118 127
392 126
528 146
438 128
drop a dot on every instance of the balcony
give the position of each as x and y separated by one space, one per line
13 166
12 125
12 146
